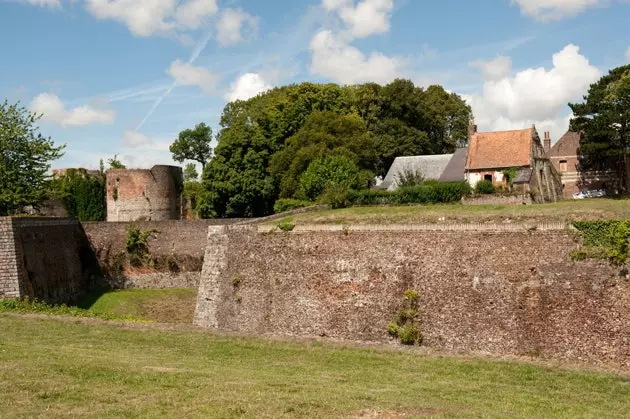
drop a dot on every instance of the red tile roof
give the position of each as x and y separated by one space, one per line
567 145
489 150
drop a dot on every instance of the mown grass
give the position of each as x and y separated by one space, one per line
564 211
52 368
162 306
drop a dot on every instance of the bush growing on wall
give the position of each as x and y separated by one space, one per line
406 326
604 239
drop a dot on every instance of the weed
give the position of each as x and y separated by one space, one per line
286 226
406 326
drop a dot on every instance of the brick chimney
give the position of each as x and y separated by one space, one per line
547 143
472 130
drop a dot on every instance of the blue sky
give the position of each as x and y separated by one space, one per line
125 76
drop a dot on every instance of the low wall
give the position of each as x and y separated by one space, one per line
45 258
506 291
183 242
497 200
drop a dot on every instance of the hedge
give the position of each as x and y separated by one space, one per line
428 193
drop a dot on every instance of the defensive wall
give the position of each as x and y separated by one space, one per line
144 195
48 259
500 289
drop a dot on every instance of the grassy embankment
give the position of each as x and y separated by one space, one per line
564 211
57 368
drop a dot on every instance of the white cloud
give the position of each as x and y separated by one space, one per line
232 24
135 139
368 17
345 64
535 95
149 17
628 54
54 110
247 86
547 10
495 69
187 74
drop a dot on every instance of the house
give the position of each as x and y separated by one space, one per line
456 168
431 168
491 155
564 157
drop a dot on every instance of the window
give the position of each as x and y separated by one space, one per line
563 166
487 177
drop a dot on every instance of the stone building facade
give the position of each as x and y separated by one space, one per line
491 154
144 195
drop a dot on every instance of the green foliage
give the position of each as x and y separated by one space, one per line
510 174
237 281
288 204
190 173
286 226
82 194
192 193
27 306
193 144
409 177
327 172
406 326
485 187
115 164
268 142
137 243
336 196
428 193
604 120
25 157
604 238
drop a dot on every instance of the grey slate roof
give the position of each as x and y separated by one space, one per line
431 167
456 167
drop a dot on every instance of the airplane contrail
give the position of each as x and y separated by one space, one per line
199 47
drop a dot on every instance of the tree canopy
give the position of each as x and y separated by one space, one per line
266 143
603 118
25 157
193 144
114 163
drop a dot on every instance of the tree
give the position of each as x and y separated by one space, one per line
190 173
604 121
114 163
25 157
193 144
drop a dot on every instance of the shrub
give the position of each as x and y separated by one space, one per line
604 238
286 226
409 177
428 193
336 196
82 194
286 204
137 242
406 327
485 187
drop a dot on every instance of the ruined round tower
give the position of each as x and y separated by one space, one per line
144 195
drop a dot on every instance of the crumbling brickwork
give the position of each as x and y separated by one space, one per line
9 280
500 290
144 195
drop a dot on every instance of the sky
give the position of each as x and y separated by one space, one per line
126 76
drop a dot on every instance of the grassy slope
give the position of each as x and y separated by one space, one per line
564 211
164 306
53 368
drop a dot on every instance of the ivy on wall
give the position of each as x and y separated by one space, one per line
604 239
82 194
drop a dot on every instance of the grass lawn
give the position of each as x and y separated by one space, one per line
60 368
564 211
162 306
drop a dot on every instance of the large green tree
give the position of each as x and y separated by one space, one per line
603 118
267 142
193 144
25 157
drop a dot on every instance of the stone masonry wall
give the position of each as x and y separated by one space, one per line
51 259
183 241
506 291
9 280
